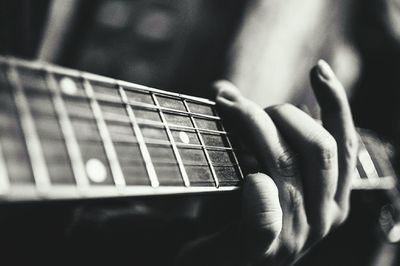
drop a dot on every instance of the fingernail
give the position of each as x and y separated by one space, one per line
324 70
227 90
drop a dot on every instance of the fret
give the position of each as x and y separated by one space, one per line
143 148
366 161
4 179
128 150
209 124
379 153
235 159
203 109
34 149
213 173
144 100
218 148
172 104
360 169
75 156
177 132
111 155
148 116
141 98
11 137
47 125
174 147
367 176
74 97
177 119
385 183
357 174
185 137
154 133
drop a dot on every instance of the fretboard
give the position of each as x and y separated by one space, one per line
69 134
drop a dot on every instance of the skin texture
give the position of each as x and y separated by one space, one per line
301 191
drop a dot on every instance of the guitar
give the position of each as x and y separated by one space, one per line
67 134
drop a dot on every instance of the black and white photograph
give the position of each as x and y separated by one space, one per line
200 132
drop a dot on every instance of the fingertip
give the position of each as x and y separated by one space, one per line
226 89
262 196
324 70
327 88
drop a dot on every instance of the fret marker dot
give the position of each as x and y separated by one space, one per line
68 86
96 170
184 137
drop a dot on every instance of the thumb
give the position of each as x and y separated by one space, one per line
262 214
247 241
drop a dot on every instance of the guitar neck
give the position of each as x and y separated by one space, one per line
69 134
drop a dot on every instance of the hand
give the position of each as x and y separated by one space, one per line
303 190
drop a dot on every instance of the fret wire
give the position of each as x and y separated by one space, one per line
210 165
127 139
178 127
385 182
368 182
4 178
366 161
67 130
142 145
174 147
357 173
78 114
234 154
111 154
34 148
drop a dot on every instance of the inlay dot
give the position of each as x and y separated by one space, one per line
68 86
184 137
96 170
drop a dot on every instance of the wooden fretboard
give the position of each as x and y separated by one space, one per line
69 134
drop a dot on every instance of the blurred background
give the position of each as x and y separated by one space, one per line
266 47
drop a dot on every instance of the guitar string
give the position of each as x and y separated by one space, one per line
113 100
177 111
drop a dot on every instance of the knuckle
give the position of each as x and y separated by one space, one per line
342 215
320 231
294 197
286 164
279 108
292 248
325 149
320 227
352 144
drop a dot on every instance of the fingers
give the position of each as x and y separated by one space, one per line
257 128
247 241
317 154
337 119
273 154
263 214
